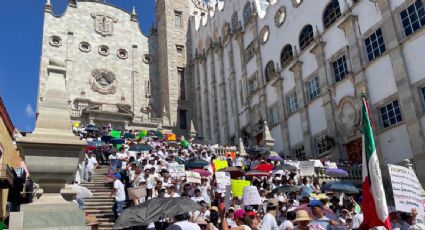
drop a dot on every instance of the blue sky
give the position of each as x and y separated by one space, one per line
21 24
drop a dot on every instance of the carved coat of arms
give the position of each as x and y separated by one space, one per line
103 81
103 24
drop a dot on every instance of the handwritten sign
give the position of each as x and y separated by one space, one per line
193 177
223 179
176 170
306 168
251 196
238 185
220 164
407 189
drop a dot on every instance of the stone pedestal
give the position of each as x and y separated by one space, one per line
52 153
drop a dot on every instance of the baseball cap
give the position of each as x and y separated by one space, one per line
240 213
315 203
117 175
251 214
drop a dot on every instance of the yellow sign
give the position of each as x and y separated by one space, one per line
318 196
238 185
171 137
219 164
76 124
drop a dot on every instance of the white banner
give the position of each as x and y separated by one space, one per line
251 196
193 177
407 189
222 179
306 168
176 170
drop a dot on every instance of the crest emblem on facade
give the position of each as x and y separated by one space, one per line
103 24
103 81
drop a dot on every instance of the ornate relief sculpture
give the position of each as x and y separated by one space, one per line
103 81
103 24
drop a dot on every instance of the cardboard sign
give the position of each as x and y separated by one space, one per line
306 168
407 189
238 186
251 196
177 170
220 164
193 177
223 178
171 137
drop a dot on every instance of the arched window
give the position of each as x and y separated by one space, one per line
270 70
286 55
247 12
306 36
331 13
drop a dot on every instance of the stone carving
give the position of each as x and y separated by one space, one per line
103 81
103 24
280 16
348 117
122 54
147 58
55 41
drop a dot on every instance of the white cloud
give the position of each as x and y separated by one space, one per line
29 111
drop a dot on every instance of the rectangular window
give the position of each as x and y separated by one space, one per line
340 68
292 102
178 19
183 119
273 116
182 91
298 153
375 45
252 85
391 114
321 145
413 17
313 88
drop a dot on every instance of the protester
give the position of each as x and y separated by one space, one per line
91 164
118 193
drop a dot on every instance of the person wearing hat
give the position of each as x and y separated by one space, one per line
230 218
118 193
320 221
171 191
302 220
269 220
241 219
91 164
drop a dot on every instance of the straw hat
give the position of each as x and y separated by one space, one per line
201 221
302 215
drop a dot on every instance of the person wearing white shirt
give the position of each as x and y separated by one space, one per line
118 193
288 223
197 197
183 223
269 220
91 164
171 191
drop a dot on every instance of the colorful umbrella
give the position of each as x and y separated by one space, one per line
274 156
257 173
202 172
264 167
235 172
336 172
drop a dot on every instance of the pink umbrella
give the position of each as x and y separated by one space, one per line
327 211
257 173
202 172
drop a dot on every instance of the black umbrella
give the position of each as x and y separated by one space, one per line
195 163
154 210
129 135
286 189
140 148
92 129
341 186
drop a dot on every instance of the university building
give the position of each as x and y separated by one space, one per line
302 65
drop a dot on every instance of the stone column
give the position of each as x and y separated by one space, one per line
283 118
234 91
215 131
405 90
326 94
223 96
303 109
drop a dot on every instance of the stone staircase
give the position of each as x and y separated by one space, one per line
100 205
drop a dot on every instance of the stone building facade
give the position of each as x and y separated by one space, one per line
301 65
112 69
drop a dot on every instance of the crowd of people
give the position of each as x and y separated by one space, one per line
307 205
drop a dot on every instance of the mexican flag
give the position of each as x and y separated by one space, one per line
374 204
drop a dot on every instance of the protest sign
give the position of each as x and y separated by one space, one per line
220 164
227 197
238 185
193 177
176 170
115 133
222 179
251 196
306 168
407 189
